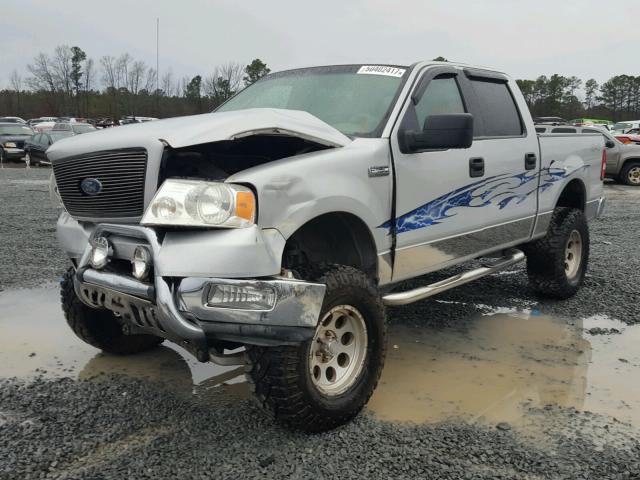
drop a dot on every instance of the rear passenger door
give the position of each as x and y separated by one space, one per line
447 208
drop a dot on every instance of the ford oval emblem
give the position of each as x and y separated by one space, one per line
91 186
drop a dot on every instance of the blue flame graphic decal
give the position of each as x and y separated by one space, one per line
500 190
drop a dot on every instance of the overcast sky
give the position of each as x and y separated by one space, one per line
586 38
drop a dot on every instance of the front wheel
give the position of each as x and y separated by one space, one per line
326 381
99 327
557 263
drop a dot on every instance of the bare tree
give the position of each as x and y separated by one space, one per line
167 84
135 74
123 66
232 72
41 71
62 68
15 81
109 72
182 86
42 79
224 82
150 81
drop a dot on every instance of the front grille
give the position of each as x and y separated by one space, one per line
121 174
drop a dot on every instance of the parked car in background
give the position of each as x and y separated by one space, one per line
12 138
44 126
105 123
36 146
75 128
623 127
629 138
12 120
132 119
591 122
549 121
37 121
623 157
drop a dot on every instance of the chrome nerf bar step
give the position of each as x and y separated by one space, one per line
403 298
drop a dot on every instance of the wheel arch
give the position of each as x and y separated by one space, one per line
573 195
334 237
628 160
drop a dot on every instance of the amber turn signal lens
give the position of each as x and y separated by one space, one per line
245 205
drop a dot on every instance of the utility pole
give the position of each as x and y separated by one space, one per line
158 66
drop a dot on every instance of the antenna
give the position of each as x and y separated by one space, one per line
157 65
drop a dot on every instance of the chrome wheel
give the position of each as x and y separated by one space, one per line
338 350
27 159
573 254
634 175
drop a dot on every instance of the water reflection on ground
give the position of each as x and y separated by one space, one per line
492 368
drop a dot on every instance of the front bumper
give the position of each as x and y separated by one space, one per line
176 308
13 153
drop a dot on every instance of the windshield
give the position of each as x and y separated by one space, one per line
15 130
83 128
354 99
622 126
55 136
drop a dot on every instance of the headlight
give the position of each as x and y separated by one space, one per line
194 203
9 144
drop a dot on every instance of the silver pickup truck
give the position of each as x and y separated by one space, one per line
275 230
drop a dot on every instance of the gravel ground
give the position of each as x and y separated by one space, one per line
124 428
132 429
29 252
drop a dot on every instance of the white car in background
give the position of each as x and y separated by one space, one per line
624 127
44 126
12 120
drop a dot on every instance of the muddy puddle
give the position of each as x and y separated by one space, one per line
491 369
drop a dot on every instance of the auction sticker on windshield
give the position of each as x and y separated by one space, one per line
381 70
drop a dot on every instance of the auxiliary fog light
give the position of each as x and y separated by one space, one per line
99 253
241 297
141 262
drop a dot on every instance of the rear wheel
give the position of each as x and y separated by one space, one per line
326 381
630 174
557 263
99 327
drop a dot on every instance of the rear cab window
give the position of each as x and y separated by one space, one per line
497 108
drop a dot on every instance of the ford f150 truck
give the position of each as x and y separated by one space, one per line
275 230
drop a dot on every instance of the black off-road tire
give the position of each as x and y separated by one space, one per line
625 173
280 377
99 327
546 257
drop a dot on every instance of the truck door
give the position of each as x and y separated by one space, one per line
452 205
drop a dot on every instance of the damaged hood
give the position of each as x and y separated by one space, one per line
210 127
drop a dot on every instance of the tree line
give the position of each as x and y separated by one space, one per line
616 99
67 82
